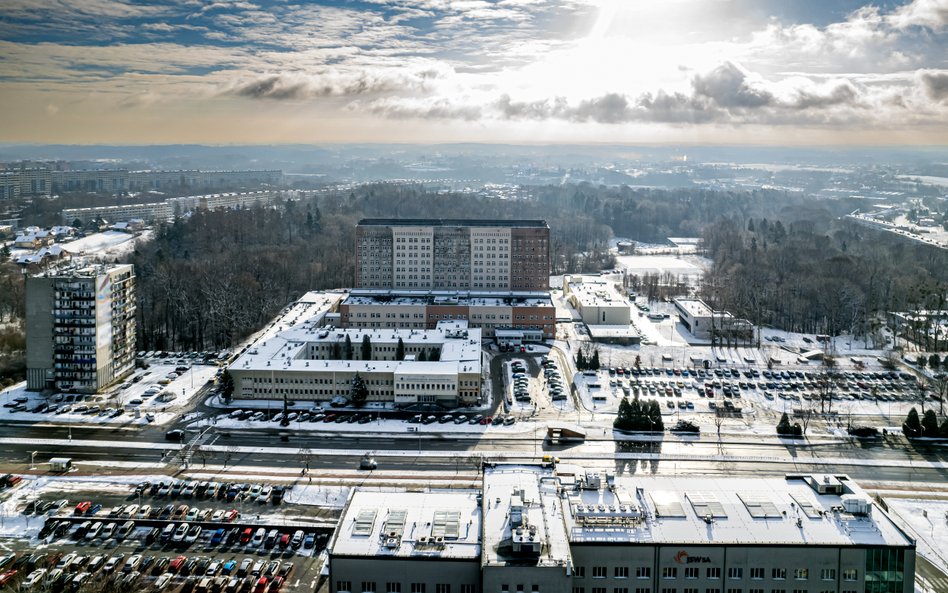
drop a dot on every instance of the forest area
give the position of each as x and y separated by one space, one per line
818 274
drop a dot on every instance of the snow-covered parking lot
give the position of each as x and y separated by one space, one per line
156 397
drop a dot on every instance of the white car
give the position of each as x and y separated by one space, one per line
164 580
33 579
113 562
193 534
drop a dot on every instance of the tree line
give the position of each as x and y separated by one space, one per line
821 275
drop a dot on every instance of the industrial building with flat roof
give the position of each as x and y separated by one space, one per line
597 300
705 323
305 359
527 312
569 530
447 254
80 328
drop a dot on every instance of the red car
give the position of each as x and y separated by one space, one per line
176 564
82 507
486 420
246 535
5 577
284 540
262 584
231 515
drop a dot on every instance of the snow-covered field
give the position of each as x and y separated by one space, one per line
688 268
98 242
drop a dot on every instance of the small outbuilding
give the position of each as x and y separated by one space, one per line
60 464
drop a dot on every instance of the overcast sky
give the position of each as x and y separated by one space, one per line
518 71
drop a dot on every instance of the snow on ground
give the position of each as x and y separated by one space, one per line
385 426
322 496
98 242
929 520
183 388
687 268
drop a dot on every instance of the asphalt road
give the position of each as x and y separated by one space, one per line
442 454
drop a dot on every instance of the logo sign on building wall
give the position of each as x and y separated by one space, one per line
683 557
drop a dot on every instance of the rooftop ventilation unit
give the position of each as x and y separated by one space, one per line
391 543
857 505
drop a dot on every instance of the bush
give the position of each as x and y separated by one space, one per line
863 431
785 429
686 426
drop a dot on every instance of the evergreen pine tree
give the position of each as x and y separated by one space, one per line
784 427
930 424
347 348
400 350
912 427
359 393
423 355
594 363
227 385
366 347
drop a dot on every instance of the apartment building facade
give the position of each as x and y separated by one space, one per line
80 328
480 255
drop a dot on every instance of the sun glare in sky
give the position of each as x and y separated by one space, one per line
679 71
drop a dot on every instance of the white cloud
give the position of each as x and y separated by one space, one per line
921 13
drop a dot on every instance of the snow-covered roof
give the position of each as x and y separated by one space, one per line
396 523
520 489
283 347
721 511
595 292
437 297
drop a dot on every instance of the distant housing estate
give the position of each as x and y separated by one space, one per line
168 209
44 181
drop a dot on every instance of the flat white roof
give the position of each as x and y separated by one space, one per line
282 346
542 508
694 307
759 511
440 297
594 292
397 523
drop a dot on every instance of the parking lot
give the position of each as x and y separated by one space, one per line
196 536
149 395
849 392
